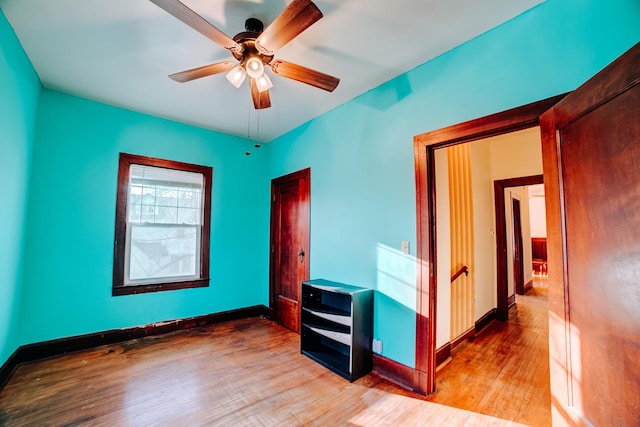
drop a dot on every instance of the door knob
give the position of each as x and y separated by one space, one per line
301 255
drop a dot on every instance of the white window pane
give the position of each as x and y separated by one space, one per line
156 175
188 216
134 213
141 214
148 195
166 196
135 194
147 214
166 215
163 252
189 199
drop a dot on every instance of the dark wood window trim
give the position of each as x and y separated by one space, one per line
126 160
424 154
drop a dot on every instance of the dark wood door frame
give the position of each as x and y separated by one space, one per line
303 231
502 278
424 159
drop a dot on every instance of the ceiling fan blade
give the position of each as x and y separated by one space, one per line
198 23
305 75
207 70
260 99
297 17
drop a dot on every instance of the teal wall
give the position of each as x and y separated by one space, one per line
70 227
361 153
19 91
59 154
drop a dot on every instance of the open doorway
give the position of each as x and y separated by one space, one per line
505 192
483 229
538 226
586 141
496 195
425 146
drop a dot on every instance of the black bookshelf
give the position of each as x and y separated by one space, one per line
337 326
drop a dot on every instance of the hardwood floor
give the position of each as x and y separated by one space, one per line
251 372
247 372
504 372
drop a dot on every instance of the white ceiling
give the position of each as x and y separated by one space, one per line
120 52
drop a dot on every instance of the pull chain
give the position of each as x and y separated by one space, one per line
248 153
258 131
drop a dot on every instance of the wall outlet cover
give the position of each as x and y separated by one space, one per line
376 346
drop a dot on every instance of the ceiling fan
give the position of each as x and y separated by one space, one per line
254 49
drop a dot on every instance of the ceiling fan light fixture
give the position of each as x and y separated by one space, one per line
254 49
264 83
254 67
236 76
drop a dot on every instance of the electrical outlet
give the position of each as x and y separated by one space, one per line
405 247
376 346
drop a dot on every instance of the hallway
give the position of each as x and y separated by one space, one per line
504 371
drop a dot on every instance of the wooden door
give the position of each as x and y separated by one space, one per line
518 261
289 260
591 156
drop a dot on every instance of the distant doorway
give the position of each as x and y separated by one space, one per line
518 258
502 271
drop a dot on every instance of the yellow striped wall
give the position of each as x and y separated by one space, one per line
462 240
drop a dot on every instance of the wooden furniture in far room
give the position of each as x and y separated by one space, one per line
539 255
337 327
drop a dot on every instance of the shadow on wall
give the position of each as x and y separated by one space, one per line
423 79
388 94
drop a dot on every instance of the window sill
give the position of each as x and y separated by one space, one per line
159 287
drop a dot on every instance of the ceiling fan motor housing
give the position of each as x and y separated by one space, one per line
253 25
247 39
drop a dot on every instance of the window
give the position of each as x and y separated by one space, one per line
162 225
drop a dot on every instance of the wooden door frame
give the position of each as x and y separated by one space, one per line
502 278
304 176
424 160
